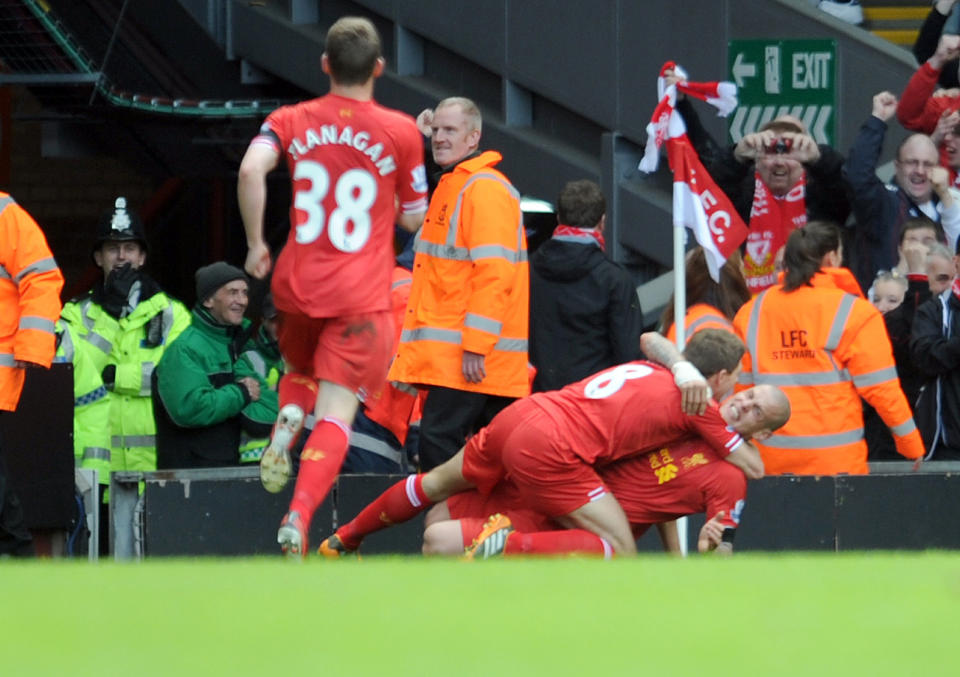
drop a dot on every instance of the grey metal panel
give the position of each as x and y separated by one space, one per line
472 29
690 32
566 52
387 8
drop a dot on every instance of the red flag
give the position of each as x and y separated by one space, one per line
698 204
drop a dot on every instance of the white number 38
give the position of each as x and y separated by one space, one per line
355 193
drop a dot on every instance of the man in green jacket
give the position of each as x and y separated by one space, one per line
124 324
207 391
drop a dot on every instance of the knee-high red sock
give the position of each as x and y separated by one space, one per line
299 390
320 463
567 541
402 501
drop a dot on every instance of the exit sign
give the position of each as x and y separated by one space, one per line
777 77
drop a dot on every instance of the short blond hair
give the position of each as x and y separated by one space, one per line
469 110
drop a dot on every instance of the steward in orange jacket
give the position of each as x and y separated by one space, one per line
701 316
825 346
465 331
30 284
470 285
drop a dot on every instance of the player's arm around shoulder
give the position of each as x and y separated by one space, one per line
747 458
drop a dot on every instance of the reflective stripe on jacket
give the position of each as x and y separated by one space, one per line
30 284
825 348
91 408
121 342
700 316
470 287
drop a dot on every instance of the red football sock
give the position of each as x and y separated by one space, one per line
299 390
320 463
567 541
403 501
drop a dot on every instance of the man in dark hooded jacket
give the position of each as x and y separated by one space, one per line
584 310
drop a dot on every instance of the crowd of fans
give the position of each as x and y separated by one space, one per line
159 386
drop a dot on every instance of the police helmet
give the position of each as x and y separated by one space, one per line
120 224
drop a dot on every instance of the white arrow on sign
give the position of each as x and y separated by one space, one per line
748 119
742 70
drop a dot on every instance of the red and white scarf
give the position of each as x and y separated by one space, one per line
772 219
581 235
698 203
721 95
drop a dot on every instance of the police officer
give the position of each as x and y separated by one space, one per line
124 323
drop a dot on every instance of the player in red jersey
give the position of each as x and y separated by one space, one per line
351 162
552 443
657 487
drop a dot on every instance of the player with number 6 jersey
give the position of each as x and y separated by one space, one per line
351 162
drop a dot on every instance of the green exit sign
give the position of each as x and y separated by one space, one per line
778 77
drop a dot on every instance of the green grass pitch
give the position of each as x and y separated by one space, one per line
814 614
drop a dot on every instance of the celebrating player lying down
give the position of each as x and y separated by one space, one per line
551 444
654 488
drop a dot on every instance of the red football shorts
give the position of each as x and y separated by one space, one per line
353 351
521 443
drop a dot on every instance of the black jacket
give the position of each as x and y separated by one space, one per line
936 354
899 322
584 313
879 210
926 45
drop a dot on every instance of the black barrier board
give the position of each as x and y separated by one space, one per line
898 512
788 512
355 492
38 448
220 517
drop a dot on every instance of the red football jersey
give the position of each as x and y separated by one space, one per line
627 410
680 479
350 163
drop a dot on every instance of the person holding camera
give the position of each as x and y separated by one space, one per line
778 178
920 188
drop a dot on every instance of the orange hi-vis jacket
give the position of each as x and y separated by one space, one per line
701 316
30 284
471 285
825 348
392 405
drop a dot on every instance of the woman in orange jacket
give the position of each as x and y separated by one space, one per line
818 339
710 304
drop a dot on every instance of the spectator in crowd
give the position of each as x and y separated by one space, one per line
778 178
30 284
207 391
710 304
929 268
817 338
552 455
585 314
378 439
935 348
920 188
332 280
264 354
919 109
124 323
465 333
888 289
935 25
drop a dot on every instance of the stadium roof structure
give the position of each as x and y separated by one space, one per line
38 51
